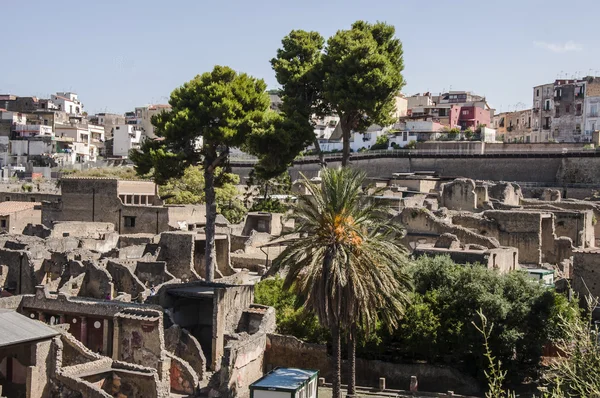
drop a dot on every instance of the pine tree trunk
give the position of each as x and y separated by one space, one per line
211 217
346 130
337 362
319 152
352 361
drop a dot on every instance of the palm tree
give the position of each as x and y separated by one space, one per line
345 263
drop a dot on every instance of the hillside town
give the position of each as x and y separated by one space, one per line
39 135
330 236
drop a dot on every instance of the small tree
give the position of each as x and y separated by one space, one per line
362 73
210 114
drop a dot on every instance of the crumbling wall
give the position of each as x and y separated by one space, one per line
182 344
21 275
124 279
153 272
184 379
507 193
423 222
586 272
516 229
98 283
242 364
459 195
177 250
139 342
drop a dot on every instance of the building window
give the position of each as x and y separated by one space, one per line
129 221
465 113
578 112
547 105
557 112
567 109
537 92
578 128
546 123
3 223
594 110
7 199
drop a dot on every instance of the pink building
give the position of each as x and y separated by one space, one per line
469 117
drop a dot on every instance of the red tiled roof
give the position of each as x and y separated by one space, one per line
10 207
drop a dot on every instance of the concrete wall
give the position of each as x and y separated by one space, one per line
538 169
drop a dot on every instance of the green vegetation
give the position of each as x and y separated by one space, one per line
411 145
190 189
347 266
292 318
438 323
573 374
121 173
225 109
356 75
382 142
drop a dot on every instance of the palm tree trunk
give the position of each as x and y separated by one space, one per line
352 361
211 217
337 362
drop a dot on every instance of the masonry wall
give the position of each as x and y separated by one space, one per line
539 169
288 351
139 342
586 272
96 199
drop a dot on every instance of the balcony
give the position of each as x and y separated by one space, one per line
536 110
557 97
546 127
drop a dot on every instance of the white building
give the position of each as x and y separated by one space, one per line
144 118
68 102
125 138
33 130
82 142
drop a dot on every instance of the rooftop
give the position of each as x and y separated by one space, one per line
16 329
285 379
10 207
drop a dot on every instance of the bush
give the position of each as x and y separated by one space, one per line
411 145
27 187
269 205
292 319
382 142
438 327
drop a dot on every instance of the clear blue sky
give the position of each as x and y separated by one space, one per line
120 54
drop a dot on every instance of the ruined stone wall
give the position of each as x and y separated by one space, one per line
516 229
575 225
96 199
124 279
177 249
184 379
586 272
420 221
138 342
153 272
288 351
181 343
242 364
459 195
